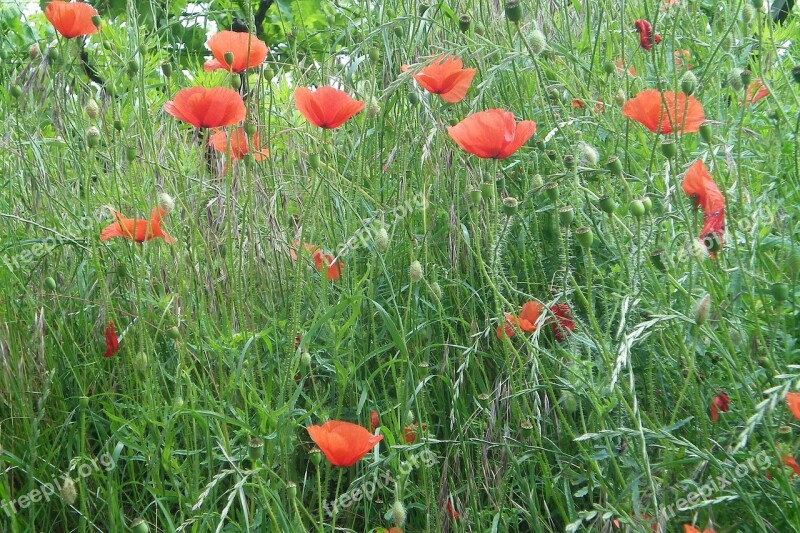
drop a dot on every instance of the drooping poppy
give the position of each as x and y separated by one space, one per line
700 187
138 230
207 108
247 49
326 107
322 260
529 315
507 328
646 36
239 146
719 402
447 77
691 529
563 324
793 401
492 134
451 511
755 92
71 19
678 115
112 342
374 422
343 443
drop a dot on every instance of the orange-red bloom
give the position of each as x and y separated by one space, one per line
321 259
646 36
563 325
526 320
451 510
138 230
248 51
71 19
699 185
492 134
239 144
343 443
691 529
790 461
112 343
447 77
793 401
678 115
207 108
719 402
580 104
755 92
327 107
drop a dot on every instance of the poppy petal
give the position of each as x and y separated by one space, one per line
71 19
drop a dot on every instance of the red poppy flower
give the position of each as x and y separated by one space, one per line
492 134
530 315
646 37
343 443
112 343
71 19
648 109
321 259
447 77
719 402
793 401
248 51
563 325
373 420
690 529
207 108
239 144
580 104
138 230
790 461
451 510
699 185
755 92
327 107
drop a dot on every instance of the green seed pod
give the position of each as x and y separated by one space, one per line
92 137
130 154
705 132
551 190
607 204
569 161
398 31
566 214
636 208
15 91
250 128
780 291
464 22
513 11
422 8
669 149
249 159
313 161
373 55
614 165
96 21
475 196
609 67
510 205
50 283
166 69
291 489
413 98
487 191
255 449
228 57
584 236
83 401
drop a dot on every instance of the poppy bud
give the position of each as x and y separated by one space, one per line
747 77
236 82
68 492
255 449
140 362
796 74
510 205
415 271
748 12
584 236
757 4
609 67
668 148
133 68
139 526
381 240
487 191
373 54
34 51
479 29
50 283
372 107
130 154
92 137
702 309
53 55
91 109
607 204
374 422
551 189
464 22
620 97
793 263
735 79
780 291
410 417
174 333
636 208
727 42
705 132
647 202
250 128
15 91
688 83
436 289
589 153
166 202
513 11
566 215
398 513
166 69
413 98
538 41
536 181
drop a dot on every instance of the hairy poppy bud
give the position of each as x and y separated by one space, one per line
50 283
636 208
702 309
607 204
118 124
372 107
479 29
537 181
793 263
705 132
551 190
398 513
373 54
34 51
569 401
166 202
15 91
133 68
566 214
735 79
589 153
139 526
91 109
423 7
747 77
748 13
538 41
68 492
513 11
668 148
140 362
166 69
130 154
381 240
584 236
436 290
796 74
475 196
415 271
410 417
255 449
92 137
688 83
464 22
620 97
510 205
609 67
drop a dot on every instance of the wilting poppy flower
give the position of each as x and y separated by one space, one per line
451 510
719 402
138 230
327 107
248 51
580 104
646 37
373 420
793 401
530 315
343 443
563 325
447 77
410 431
507 328
207 108
755 92
680 59
492 134
698 185
112 343
239 146
71 19
321 259
678 115
690 529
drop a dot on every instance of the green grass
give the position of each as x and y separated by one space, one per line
526 434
